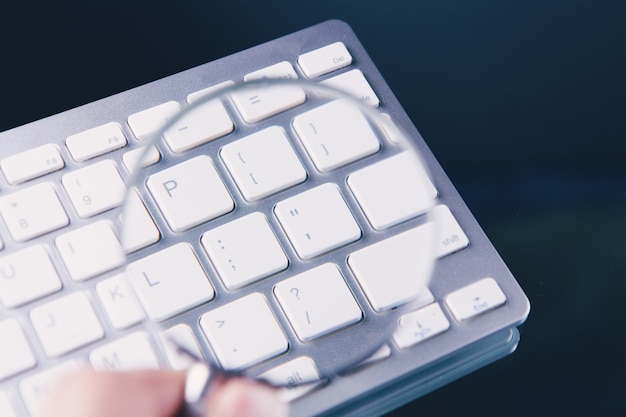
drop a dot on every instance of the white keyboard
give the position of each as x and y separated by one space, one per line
65 303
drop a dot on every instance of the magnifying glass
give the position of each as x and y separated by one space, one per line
285 226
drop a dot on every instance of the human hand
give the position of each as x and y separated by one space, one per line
154 394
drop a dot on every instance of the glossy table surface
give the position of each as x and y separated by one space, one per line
523 102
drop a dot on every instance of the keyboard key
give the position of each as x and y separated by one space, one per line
24 217
335 134
240 260
147 123
451 237
15 353
129 353
31 164
260 103
90 250
95 142
420 325
182 335
243 332
474 299
202 125
291 375
190 193
324 60
199 95
138 228
400 259
317 221
6 408
95 188
141 157
381 354
393 190
27 275
66 324
174 270
282 70
34 388
263 163
119 302
317 302
354 83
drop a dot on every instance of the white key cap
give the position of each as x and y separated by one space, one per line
451 237
138 228
382 353
335 134
282 70
393 190
119 302
6 409
129 353
32 164
146 123
263 163
66 324
183 336
90 250
95 142
240 260
317 302
95 188
291 375
34 388
190 193
24 217
174 270
199 126
260 103
324 60
27 275
354 83
141 157
400 259
474 299
420 325
243 332
15 353
317 221
199 95
1 244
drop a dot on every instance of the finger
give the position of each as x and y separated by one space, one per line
119 394
239 397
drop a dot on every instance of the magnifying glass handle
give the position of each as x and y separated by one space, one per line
199 378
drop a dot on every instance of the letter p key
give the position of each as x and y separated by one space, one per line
170 186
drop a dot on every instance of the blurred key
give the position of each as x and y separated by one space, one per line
27 275
65 324
95 188
24 217
32 164
129 353
90 250
15 353
95 142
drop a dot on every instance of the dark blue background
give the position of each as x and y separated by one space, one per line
523 102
